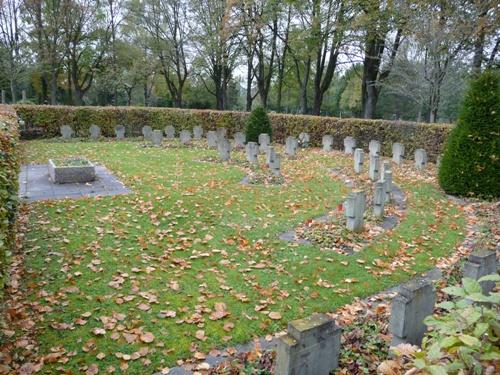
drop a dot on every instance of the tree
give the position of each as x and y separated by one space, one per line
166 22
11 39
258 123
470 164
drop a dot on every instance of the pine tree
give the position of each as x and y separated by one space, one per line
470 165
258 123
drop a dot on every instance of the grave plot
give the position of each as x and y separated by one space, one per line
192 263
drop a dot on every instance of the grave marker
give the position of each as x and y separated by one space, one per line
310 347
120 132
374 147
398 151
212 138
379 199
197 132
275 165
157 137
304 140
185 136
170 132
291 146
420 158
349 144
355 210
252 152
413 303
374 169
66 132
94 131
479 264
264 142
359 157
239 139
327 142
147 132
224 147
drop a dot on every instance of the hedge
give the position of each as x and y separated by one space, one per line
45 121
9 171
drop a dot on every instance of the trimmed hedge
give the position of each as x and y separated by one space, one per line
45 121
9 171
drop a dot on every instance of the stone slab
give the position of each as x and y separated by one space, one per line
34 185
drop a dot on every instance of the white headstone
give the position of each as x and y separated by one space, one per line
264 142
275 165
387 180
147 132
221 133
197 132
120 131
185 136
349 144
379 199
252 152
374 169
398 152
224 148
291 146
94 131
66 132
355 211
170 132
420 158
270 154
157 137
304 139
359 157
327 142
212 138
374 147
239 139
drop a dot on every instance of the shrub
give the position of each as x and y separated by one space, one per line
464 340
258 123
9 170
45 121
471 160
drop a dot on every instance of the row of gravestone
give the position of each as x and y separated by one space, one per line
291 143
312 345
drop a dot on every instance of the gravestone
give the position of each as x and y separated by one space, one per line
374 147
413 303
420 158
197 132
252 152
66 132
185 136
270 154
224 147
398 152
264 142
94 131
3 97
221 133
387 180
239 140
374 169
349 144
275 165
212 138
479 264
304 140
120 132
327 142
291 146
310 347
355 210
157 137
379 199
359 157
147 132
170 132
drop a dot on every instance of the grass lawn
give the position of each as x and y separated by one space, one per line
192 261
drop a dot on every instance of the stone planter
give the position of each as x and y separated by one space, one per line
67 174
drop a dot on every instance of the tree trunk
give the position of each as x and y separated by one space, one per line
53 86
249 98
13 89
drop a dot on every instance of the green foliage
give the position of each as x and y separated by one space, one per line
258 123
465 338
471 160
45 121
9 170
